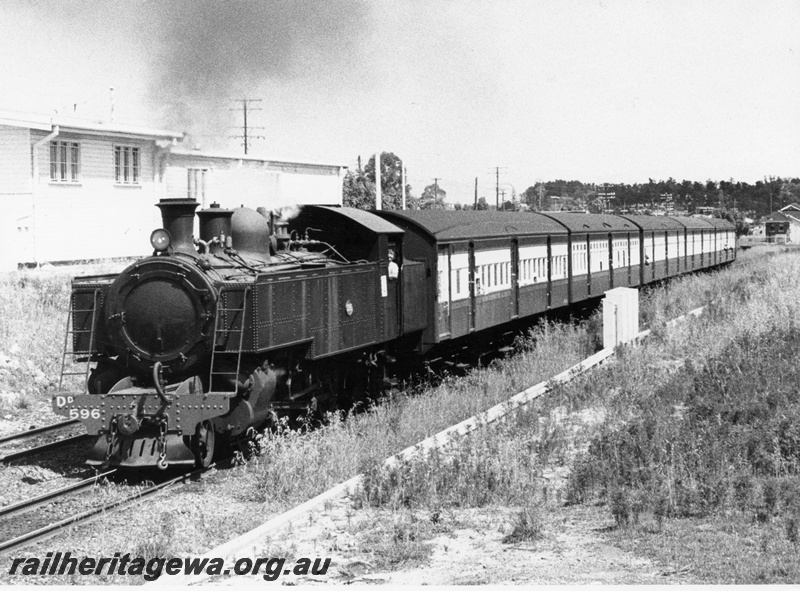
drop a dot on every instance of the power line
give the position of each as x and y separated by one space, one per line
246 135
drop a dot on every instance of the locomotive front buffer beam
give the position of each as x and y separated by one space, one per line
138 427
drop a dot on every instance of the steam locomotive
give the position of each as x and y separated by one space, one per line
209 338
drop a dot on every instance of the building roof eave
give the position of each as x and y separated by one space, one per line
86 127
256 159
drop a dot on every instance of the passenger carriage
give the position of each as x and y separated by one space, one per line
690 249
486 268
601 252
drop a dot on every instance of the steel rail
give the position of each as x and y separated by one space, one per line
18 455
38 501
48 531
37 430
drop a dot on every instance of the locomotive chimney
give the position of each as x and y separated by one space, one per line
177 216
215 222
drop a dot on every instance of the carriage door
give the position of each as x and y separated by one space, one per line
627 254
471 264
549 273
443 292
702 248
588 265
515 278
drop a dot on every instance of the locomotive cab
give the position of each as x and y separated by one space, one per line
361 236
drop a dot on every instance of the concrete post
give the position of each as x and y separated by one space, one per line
620 316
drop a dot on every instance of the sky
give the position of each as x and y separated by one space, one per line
596 91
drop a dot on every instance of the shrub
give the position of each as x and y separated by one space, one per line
527 526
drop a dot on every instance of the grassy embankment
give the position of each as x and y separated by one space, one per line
32 321
692 439
33 315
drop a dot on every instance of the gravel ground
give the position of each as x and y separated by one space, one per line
573 549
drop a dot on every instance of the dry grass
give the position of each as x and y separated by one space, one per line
295 466
701 426
33 316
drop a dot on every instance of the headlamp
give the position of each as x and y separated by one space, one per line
160 239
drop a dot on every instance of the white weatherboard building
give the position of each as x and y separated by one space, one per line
74 190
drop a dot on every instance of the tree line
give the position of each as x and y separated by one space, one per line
737 198
728 198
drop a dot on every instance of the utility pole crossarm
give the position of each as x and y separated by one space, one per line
246 129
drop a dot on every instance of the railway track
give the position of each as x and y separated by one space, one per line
17 438
87 516
38 430
48 497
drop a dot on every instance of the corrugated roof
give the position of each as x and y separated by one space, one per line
593 222
364 218
448 225
654 222
691 222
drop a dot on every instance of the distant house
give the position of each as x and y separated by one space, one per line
784 225
73 189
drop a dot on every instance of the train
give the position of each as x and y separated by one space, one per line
209 339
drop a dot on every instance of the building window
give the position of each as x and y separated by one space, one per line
126 165
65 162
197 184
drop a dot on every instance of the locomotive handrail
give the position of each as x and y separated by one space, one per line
218 319
73 331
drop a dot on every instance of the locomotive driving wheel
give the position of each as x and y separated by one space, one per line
203 442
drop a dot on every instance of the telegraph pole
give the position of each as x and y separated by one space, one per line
436 188
497 189
475 207
246 135
403 183
496 171
378 196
